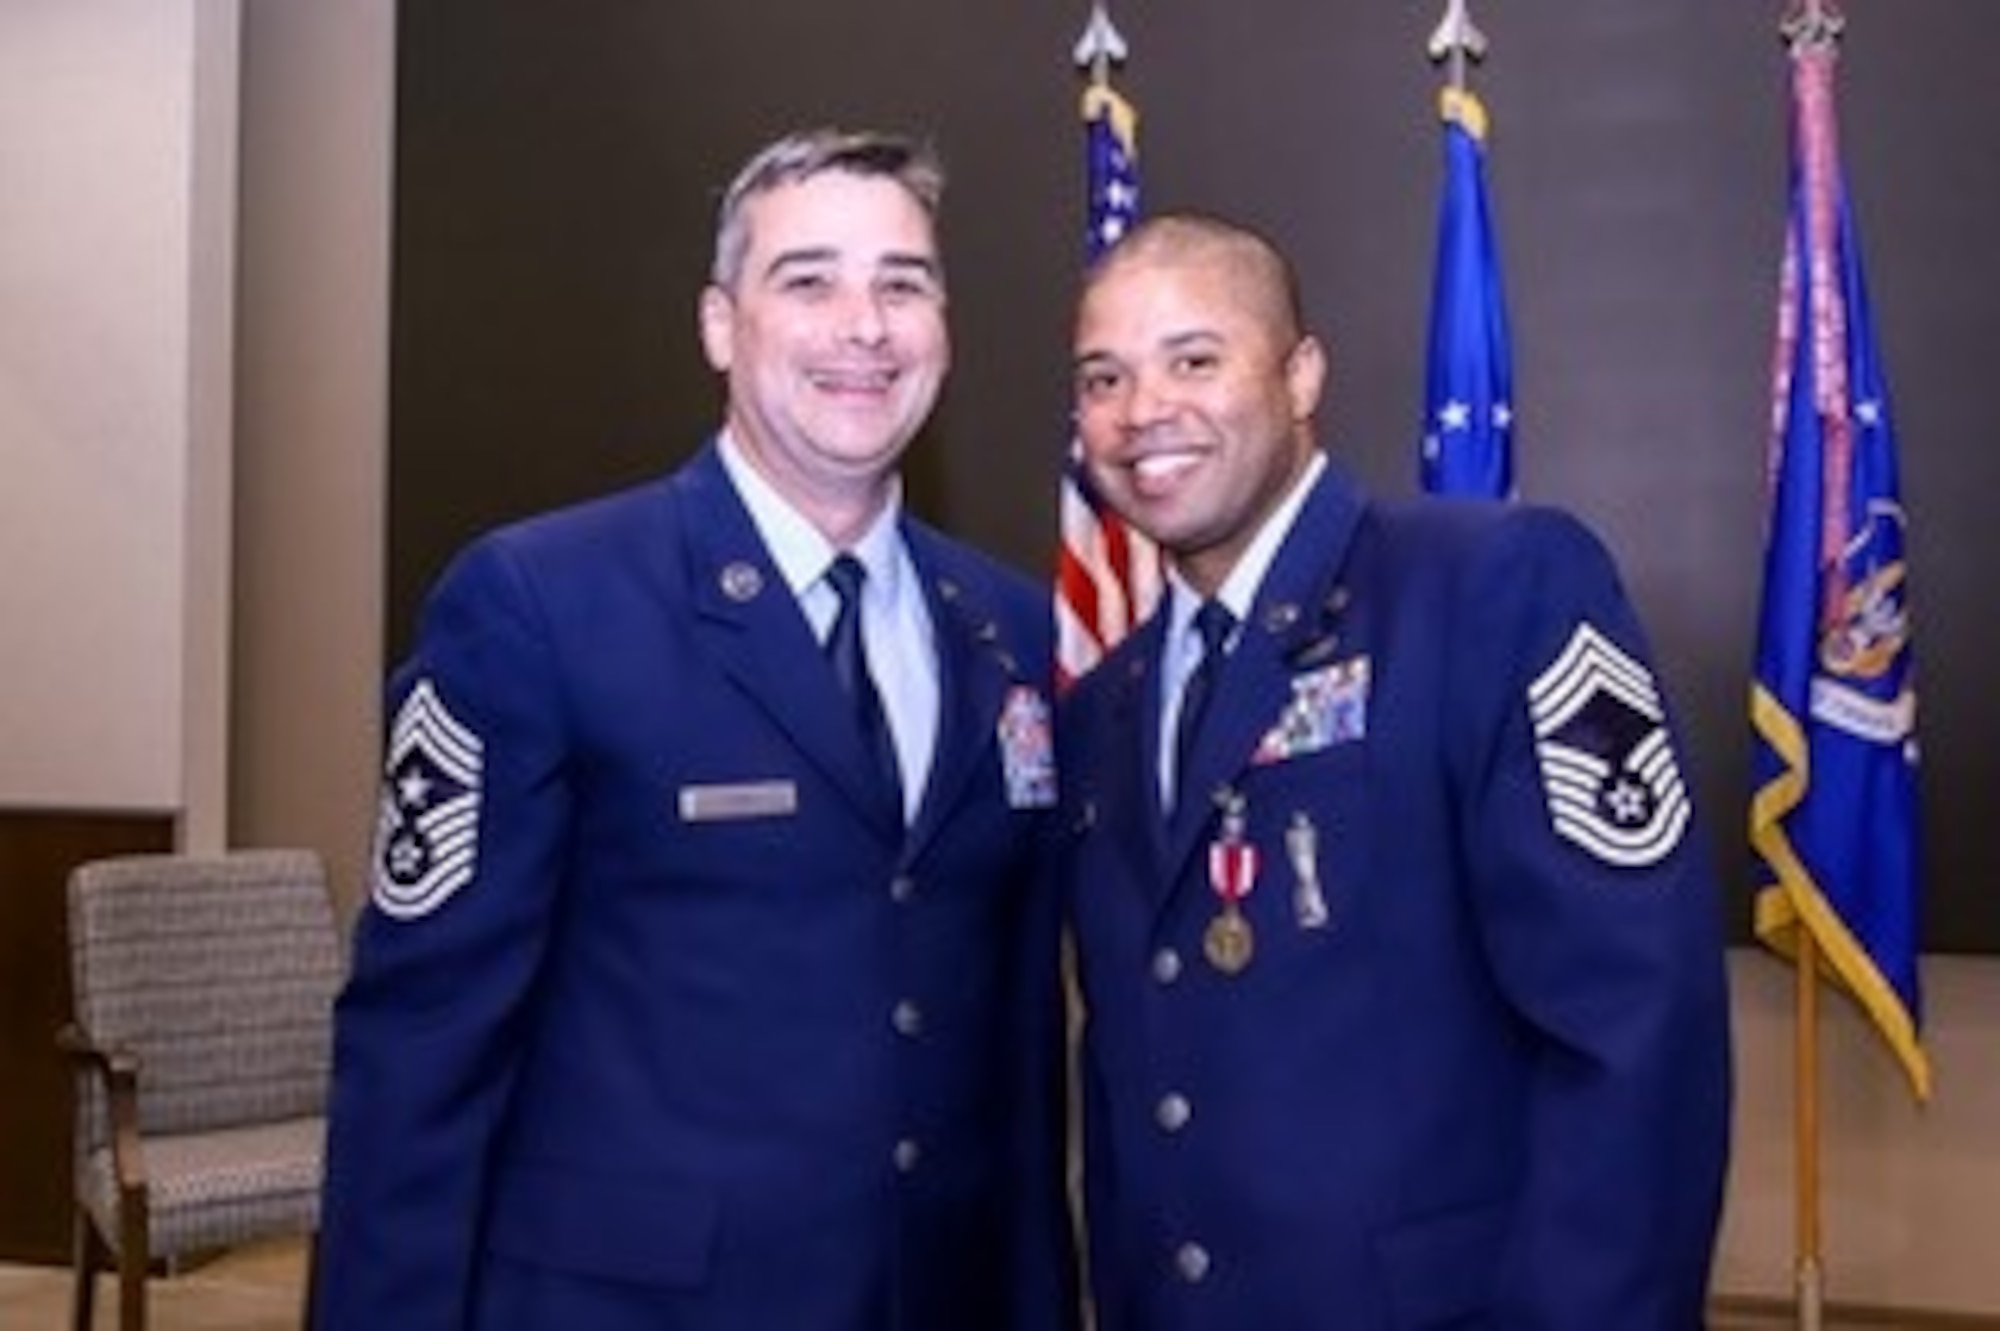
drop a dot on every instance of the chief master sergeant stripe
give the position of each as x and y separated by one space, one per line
427 832
1608 768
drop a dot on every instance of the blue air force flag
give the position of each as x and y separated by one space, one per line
1833 814
1468 444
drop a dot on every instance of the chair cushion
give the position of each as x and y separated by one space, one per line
215 1189
218 974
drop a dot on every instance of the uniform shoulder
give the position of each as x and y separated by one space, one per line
579 536
1482 526
587 521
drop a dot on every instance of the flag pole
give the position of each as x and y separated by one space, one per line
1807 1275
1807 23
1833 704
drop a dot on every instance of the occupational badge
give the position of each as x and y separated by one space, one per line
427 827
1027 750
1609 772
1302 848
1232 873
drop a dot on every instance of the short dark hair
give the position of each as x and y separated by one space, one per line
801 156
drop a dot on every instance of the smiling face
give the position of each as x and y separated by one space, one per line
832 337
1195 392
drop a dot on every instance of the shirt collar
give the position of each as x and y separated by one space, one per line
797 547
1238 591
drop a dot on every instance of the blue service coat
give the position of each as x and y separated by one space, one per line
659 1017
1475 1071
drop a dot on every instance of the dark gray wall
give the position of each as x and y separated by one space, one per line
558 165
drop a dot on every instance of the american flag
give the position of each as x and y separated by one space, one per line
1107 575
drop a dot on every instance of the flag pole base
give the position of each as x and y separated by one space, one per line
1810 1293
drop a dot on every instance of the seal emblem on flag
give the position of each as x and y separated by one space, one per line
427 830
1608 767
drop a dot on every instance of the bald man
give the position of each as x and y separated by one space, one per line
1398 941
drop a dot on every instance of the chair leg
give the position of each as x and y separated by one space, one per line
134 1256
84 1253
131 1291
309 1318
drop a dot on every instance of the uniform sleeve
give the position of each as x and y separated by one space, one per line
428 1030
1599 911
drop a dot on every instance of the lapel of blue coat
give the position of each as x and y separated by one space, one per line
976 668
752 625
1290 619
1131 794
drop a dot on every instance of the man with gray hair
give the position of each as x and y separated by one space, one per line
710 973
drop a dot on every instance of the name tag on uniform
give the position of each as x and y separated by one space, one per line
744 799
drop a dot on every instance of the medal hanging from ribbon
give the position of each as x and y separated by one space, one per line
1232 873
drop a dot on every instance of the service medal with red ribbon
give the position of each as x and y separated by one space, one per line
1232 872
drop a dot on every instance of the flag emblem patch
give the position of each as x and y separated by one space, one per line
427 829
1609 772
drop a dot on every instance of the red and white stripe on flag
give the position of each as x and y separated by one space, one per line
1107 580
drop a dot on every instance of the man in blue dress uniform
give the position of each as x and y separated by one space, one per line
1398 943
709 984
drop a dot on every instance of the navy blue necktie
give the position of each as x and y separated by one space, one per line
1213 624
850 667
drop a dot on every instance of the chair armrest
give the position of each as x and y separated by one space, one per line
117 1071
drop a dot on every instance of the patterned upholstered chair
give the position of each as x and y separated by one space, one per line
204 988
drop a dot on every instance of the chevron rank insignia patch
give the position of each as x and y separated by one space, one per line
1608 766
427 831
